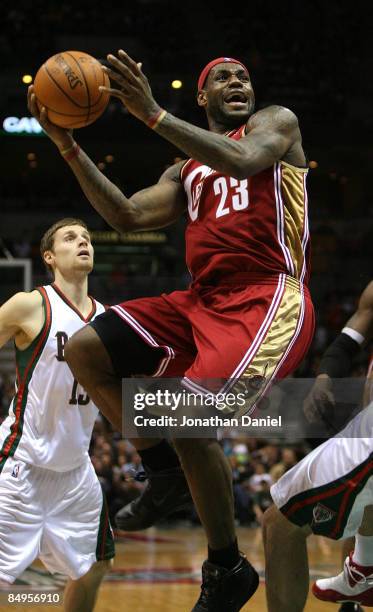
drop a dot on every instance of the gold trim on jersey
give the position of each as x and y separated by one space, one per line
297 168
274 348
291 199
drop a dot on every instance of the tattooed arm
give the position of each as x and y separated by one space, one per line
152 208
273 133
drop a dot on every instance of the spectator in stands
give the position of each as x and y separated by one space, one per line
289 458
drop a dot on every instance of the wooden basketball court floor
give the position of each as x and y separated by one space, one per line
159 571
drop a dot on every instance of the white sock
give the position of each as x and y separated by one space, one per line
363 553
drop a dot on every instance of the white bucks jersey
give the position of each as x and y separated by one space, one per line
51 417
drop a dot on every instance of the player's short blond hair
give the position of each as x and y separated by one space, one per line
47 241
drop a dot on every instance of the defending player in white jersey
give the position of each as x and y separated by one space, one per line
52 505
330 492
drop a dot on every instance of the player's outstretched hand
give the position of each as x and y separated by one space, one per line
61 137
319 401
134 90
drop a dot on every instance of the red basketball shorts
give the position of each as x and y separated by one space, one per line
259 331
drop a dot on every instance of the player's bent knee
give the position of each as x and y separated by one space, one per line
102 567
84 350
274 520
276 524
76 348
271 515
98 570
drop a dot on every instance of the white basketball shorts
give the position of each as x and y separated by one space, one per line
60 517
329 489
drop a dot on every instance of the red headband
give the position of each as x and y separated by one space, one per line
220 60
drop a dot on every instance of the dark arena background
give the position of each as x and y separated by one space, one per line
314 57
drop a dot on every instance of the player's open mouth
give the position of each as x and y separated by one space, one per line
236 99
85 253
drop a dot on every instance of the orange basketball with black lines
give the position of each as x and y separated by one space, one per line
67 84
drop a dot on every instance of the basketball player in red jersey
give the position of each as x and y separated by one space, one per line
247 313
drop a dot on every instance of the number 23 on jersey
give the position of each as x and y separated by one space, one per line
232 194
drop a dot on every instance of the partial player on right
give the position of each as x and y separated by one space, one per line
336 363
328 493
337 360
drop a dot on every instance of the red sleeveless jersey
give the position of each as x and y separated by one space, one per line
255 226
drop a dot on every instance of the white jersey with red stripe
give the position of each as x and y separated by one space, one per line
51 417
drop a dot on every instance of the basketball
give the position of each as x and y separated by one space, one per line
67 84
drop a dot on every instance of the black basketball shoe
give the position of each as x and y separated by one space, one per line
225 590
349 606
166 492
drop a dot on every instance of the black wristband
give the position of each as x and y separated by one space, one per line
337 360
